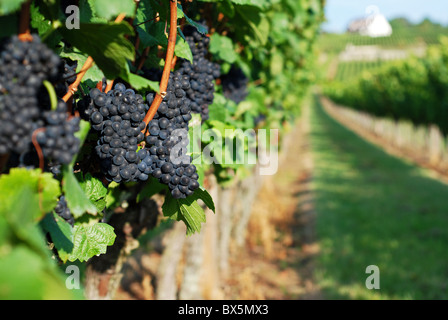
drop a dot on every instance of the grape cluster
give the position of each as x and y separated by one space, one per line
23 68
58 141
70 72
63 211
68 77
166 156
201 73
234 84
25 104
117 116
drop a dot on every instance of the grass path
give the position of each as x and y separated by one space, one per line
374 209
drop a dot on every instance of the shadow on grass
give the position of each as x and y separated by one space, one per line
374 209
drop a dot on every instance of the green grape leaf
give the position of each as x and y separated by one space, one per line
21 219
109 9
105 43
181 14
78 202
61 233
91 240
145 14
182 50
42 185
188 210
81 134
194 137
222 48
138 82
153 35
203 194
10 6
38 20
256 3
44 282
218 110
100 204
94 73
93 187
15 276
146 38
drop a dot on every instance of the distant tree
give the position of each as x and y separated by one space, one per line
427 24
400 23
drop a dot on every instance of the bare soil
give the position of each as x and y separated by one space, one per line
278 261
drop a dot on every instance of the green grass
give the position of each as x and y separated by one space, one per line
374 209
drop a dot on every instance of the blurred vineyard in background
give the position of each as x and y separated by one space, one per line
392 92
401 78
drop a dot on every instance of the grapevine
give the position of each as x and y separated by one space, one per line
201 73
101 124
26 66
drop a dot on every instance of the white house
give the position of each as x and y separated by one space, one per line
374 24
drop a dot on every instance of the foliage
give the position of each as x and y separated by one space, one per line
413 89
272 42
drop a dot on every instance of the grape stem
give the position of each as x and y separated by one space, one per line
37 147
168 63
87 64
109 86
99 85
24 23
52 94
173 64
74 86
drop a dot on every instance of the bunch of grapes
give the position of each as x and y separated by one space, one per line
67 78
70 72
58 141
166 156
234 84
23 68
117 116
25 104
201 73
63 211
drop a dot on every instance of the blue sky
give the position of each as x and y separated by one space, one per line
340 12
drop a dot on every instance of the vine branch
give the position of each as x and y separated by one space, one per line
37 147
109 86
24 23
74 86
168 63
